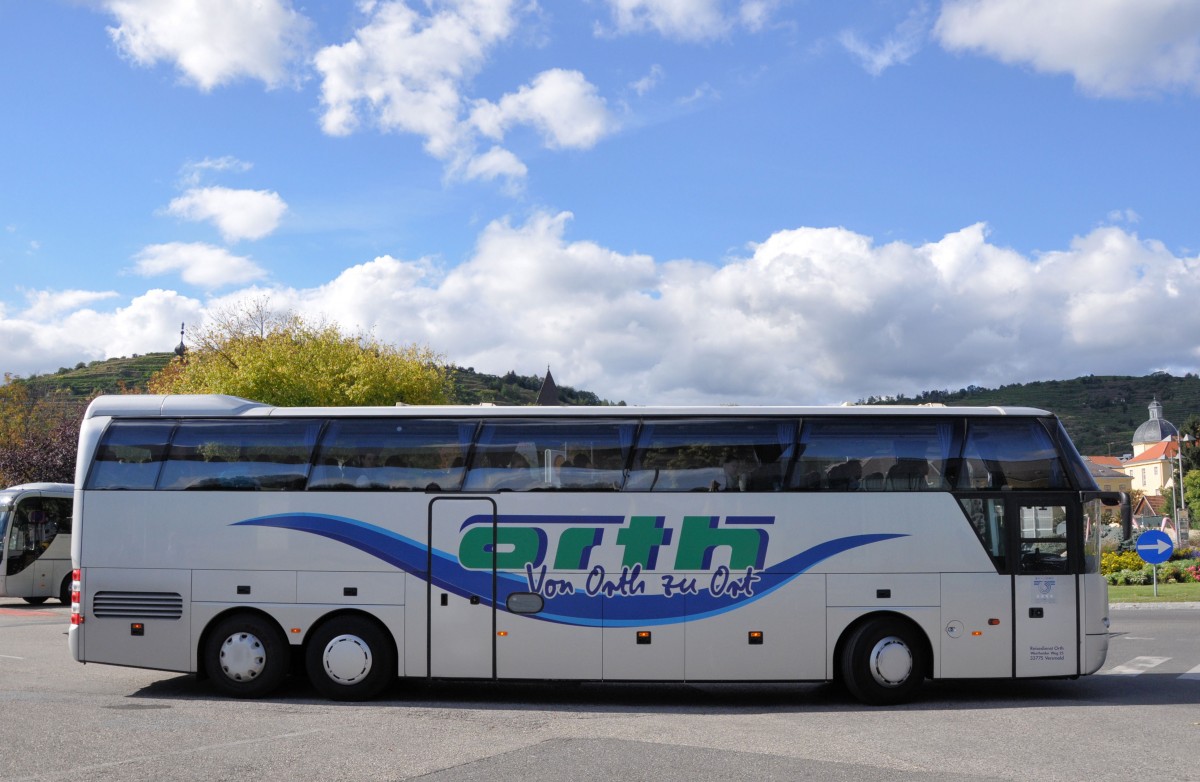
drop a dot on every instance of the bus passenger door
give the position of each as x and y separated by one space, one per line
461 587
30 533
1045 588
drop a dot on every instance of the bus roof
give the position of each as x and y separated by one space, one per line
218 405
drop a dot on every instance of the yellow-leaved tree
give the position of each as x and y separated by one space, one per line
285 360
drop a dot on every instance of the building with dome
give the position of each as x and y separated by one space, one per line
1155 445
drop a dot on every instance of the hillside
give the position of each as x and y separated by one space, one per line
1100 412
117 375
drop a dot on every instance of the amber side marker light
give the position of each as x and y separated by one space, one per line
502 633
976 632
137 628
756 637
643 636
297 630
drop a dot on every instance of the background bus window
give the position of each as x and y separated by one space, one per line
1010 454
874 455
36 522
130 455
391 454
239 455
712 455
550 455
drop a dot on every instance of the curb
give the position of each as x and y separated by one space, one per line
1153 606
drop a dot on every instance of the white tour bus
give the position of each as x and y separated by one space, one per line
875 546
35 527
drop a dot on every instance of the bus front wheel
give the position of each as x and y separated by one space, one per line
350 658
883 661
246 656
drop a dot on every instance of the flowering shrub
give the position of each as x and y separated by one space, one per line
1168 573
1115 562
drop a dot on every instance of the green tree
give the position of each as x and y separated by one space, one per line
1190 448
285 360
1191 493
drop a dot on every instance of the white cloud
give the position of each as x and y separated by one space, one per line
47 304
193 172
1111 48
649 81
403 72
809 315
237 214
198 264
213 42
562 105
898 48
688 20
496 163
755 14
35 342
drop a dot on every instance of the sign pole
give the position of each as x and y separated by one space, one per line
1154 547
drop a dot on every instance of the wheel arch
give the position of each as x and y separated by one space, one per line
202 641
356 613
839 648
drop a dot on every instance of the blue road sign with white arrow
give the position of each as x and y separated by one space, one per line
1155 546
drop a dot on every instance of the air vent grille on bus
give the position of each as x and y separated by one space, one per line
138 605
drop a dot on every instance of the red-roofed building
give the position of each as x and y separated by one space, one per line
1107 472
1153 470
1155 449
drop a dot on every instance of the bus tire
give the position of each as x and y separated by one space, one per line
246 656
64 590
883 661
350 658
35 601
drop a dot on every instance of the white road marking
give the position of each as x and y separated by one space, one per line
1135 666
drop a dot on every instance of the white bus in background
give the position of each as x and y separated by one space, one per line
35 521
876 546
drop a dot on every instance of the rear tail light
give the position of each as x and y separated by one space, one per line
76 599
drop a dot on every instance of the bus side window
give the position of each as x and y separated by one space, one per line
32 533
713 455
130 455
1010 454
869 454
559 455
271 455
391 455
987 521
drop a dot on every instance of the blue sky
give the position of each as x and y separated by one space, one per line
666 201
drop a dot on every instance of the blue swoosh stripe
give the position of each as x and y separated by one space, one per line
578 608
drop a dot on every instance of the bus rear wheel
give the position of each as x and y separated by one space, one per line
64 590
350 658
883 662
35 601
246 656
